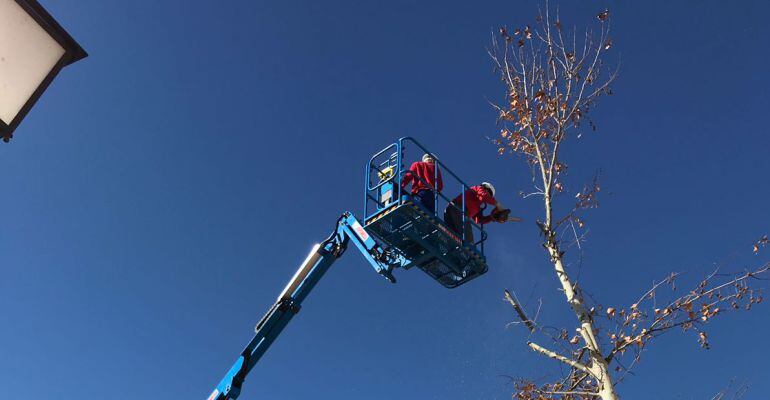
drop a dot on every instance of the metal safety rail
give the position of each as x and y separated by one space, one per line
390 166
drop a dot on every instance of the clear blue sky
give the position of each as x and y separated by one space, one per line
164 189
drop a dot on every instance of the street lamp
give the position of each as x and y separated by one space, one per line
33 49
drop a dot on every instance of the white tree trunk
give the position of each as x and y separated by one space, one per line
598 367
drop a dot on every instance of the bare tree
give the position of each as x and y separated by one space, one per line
553 78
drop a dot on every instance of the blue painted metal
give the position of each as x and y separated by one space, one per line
319 260
403 225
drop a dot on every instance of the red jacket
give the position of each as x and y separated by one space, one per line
426 172
474 198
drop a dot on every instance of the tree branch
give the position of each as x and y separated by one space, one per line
551 354
519 311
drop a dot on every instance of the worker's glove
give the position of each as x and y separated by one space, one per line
501 215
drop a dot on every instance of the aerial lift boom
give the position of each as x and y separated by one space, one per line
398 232
321 257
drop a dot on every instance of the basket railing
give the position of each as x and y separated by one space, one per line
388 167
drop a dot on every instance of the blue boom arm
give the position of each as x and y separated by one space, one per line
323 255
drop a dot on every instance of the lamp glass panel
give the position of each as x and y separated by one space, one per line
27 54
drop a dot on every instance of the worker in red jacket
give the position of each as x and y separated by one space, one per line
476 200
425 177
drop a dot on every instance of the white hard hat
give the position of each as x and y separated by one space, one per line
489 186
426 157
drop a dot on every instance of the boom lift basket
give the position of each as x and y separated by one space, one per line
403 225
